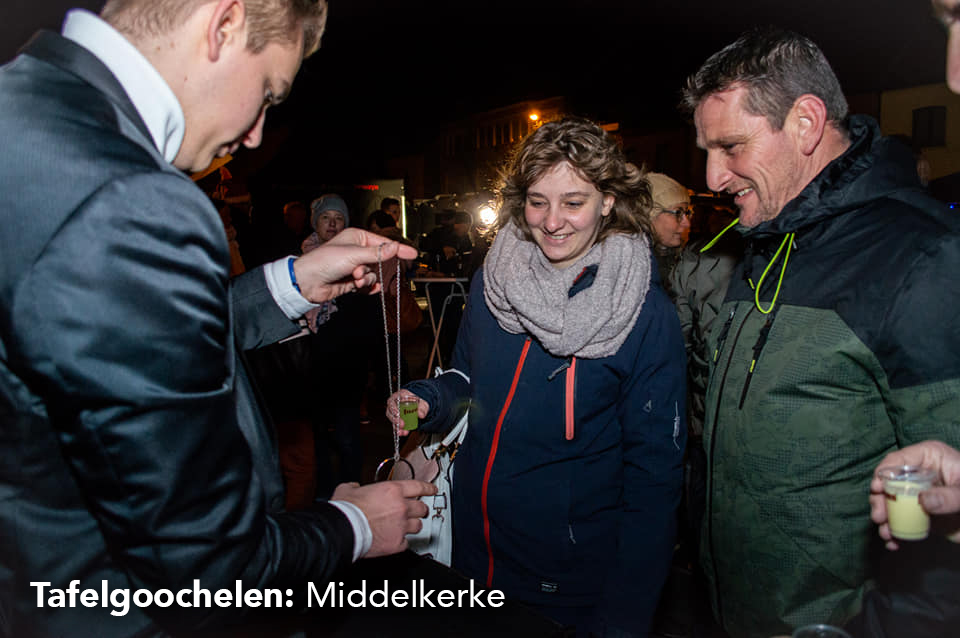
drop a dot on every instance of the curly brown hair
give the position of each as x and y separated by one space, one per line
596 156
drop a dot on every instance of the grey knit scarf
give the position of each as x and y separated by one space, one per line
526 293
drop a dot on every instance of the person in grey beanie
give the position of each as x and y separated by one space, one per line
328 217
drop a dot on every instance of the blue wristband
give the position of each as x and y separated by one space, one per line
293 276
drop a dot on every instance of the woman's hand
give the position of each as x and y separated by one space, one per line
393 409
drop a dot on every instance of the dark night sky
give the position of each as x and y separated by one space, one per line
390 70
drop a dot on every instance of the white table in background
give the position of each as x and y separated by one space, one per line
457 294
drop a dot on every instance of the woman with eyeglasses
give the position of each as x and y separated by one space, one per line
571 359
670 216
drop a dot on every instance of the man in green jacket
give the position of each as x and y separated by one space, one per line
838 340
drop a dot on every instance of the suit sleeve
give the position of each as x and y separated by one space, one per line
132 347
257 319
652 414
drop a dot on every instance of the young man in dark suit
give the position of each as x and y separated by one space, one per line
133 451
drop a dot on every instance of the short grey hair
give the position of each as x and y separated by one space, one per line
776 67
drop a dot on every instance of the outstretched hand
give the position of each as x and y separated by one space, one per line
392 508
346 263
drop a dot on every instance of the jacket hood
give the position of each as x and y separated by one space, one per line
873 167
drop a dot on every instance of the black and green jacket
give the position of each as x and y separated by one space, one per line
859 355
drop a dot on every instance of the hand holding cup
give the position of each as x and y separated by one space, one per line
942 499
404 411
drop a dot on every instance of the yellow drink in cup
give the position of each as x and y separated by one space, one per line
902 486
408 412
907 519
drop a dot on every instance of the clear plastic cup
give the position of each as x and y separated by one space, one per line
819 631
902 486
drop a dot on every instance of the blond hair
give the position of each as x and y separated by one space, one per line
268 21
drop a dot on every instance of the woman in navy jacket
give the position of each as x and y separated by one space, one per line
568 480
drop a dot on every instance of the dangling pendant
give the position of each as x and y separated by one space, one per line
394 469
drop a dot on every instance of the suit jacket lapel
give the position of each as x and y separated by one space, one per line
70 56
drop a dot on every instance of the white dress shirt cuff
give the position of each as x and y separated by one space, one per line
291 302
362 534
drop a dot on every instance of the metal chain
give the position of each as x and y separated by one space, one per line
386 344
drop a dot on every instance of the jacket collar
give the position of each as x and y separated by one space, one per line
71 57
141 81
871 168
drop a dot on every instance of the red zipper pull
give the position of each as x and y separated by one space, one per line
568 401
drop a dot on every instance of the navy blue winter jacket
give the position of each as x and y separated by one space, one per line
567 483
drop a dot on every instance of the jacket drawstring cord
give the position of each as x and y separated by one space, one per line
719 235
788 241
748 258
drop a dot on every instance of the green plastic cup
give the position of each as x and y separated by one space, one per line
408 412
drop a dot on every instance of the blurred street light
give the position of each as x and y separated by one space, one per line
487 215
